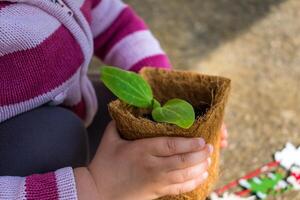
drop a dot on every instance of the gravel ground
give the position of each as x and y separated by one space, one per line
255 43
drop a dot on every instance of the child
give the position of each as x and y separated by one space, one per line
45 49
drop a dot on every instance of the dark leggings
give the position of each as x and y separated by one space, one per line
49 138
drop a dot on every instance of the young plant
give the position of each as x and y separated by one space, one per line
134 90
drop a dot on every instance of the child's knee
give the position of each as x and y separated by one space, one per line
42 140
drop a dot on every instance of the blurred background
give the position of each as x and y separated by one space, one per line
256 43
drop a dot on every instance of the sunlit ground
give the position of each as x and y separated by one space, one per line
255 43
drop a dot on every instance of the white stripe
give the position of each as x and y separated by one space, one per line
73 95
133 48
24 27
104 14
12 187
66 184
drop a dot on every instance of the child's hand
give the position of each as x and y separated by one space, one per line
148 168
224 136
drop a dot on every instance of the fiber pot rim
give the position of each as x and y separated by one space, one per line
221 82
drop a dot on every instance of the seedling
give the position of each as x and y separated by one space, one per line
134 90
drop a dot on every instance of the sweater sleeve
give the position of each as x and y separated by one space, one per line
58 185
121 38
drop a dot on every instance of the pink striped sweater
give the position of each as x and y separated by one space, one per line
45 50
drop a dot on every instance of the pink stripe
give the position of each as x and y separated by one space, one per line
126 23
29 73
41 187
95 3
160 61
11 110
86 10
4 4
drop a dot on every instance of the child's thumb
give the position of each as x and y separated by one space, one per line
111 134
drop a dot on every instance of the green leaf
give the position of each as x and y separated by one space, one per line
155 104
127 86
175 111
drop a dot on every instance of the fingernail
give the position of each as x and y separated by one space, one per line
201 142
209 161
223 126
224 144
205 175
226 132
224 129
210 148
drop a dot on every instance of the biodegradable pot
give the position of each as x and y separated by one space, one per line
207 94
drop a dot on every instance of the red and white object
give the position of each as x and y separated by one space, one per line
230 196
294 178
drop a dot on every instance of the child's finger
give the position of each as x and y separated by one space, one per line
224 131
224 143
183 175
181 161
188 186
111 135
168 146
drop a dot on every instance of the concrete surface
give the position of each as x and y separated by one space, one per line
256 43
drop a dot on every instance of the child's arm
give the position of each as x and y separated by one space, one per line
121 38
121 170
